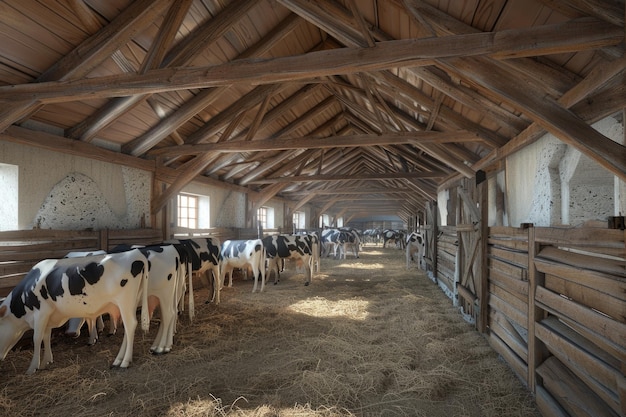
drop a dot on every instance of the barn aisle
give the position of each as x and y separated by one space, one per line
366 338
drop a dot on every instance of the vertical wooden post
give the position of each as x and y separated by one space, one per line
483 295
103 240
536 349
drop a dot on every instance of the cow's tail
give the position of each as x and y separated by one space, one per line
192 312
145 313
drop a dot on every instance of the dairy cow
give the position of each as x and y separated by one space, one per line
281 247
94 326
333 240
205 257
414 249
243 254
314 242
353 242
394 236
169 269
55 290
371 236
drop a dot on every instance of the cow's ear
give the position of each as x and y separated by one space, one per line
3 310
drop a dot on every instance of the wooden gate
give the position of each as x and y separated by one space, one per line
471 282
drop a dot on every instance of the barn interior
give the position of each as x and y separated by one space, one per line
357 107
470 121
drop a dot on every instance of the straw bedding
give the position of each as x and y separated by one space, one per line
366 338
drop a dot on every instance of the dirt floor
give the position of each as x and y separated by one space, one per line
366 338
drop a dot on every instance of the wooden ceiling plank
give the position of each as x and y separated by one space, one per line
602 9
206 34
580 34
329 17
97 48
91 53
119 106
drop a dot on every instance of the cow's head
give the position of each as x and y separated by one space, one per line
11 328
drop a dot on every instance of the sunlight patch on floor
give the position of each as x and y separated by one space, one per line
354 308
361 265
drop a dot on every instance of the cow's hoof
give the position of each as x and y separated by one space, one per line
306 284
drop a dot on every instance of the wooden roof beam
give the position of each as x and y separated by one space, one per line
575 35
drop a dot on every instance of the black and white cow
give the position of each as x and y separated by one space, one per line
353 242
55 290
281 247
243 254
414 249
94 326
371 236
333 240
169 271
395 236
316 249
205 257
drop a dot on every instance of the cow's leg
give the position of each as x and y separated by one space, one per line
308 266
125 355
165 335
254 272
217 284
261 272
38 336
192 309
92 325
273 266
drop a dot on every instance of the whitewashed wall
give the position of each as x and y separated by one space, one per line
61 191
550 183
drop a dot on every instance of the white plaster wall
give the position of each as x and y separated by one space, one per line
69 192
442 204
537 175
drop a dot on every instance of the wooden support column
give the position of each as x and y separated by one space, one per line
536 349
483 295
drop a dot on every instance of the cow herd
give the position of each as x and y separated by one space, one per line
83 286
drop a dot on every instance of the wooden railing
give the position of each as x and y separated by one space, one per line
557 315
20 250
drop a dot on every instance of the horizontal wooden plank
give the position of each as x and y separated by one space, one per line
547 405
607 283
604 326
513 314
519 259
600 377
590 297
594 263
512 299
517 365
570 392
514 271
15 268
516 287
45 235
499 324
518 245
508 232
580 237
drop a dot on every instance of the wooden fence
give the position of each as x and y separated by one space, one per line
20 250
557 315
